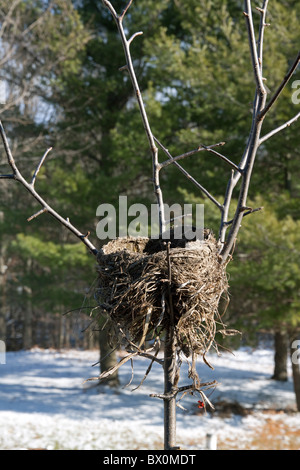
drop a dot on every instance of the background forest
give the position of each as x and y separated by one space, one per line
62 88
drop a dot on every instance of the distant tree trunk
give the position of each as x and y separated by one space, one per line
61 331
27 320
68 330
3 305
280 356
108 358
295 356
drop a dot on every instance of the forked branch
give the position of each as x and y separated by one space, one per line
151 138
188 176
239 173
16 175
259 112
281 87
129 66
242 171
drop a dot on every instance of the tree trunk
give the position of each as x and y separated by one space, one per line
280 356
169 385
108 358
27 320
295 358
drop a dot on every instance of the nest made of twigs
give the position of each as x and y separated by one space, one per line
146 285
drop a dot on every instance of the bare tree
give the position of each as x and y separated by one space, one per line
240 173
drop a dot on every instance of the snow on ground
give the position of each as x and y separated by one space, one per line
44 403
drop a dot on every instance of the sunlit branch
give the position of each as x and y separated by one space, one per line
30 188
253 49
134 81
281 87
278 129
39 166
188 176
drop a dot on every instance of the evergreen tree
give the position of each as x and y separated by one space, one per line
39 40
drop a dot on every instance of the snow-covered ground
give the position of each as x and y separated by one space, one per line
44 403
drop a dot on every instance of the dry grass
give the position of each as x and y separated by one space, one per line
274 434
265 429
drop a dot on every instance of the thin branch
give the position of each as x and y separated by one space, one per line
139 33
262 26
170 221
9 155
281 87
252 148
111 9
121 17
250 152
149 134
36 214
30 188
39 166
197 150
7 177
250 211
225 209
278 129
233 165
8 17
253 49
149 367
188 176
112 369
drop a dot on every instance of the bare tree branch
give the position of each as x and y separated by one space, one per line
253 49
243 170
281 87
192 152
149 134
248 210
260 109
42 211
278 129
252 145
139 33
233 165
125 10
39 166
188 176
30 188
8 17
263 24
7 177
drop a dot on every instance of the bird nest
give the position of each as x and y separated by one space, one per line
147 285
